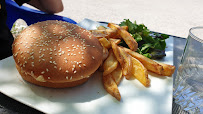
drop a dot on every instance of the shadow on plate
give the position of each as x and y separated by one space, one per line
90 90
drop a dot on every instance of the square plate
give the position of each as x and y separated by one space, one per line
91 97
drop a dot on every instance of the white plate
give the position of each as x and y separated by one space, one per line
91 98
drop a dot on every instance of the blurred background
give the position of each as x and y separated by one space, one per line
173 17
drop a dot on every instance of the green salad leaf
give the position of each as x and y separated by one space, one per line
151 45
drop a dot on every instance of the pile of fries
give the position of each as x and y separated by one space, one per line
119 62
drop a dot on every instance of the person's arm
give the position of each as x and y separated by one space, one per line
49 6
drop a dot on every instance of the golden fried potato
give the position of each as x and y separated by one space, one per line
99 33
168 70
129 40
140 72
148 63
117 41
116 52
110 63
111 87
105 53
112 34
113 26
105 43
125 27
123 59
101 28
127 65
117 75
107 33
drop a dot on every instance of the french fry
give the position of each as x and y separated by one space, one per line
99 33
107 33
111 87
117 75
116 52
110 63
105 53
101 28
127 65
112 34
125 27
119 61
168 70
148 63
113 26
104 28
129 40
140 72
105 43
117 41
123 59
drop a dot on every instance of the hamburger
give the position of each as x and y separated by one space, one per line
56 54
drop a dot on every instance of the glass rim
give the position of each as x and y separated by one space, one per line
194 36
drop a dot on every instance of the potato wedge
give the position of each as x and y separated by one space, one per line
125 27
99 33
110 63
111 33
116 52
140 72
148 63
107 33
105 43
129 40
113 26
117 75
168 70
105 53
117 41
123 59
111 87
127 65
101 28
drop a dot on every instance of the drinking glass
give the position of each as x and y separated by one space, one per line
188 87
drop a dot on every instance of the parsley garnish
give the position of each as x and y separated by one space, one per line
151 45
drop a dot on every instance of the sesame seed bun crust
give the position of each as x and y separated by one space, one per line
56 52
26 76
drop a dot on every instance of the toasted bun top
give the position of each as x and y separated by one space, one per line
57 51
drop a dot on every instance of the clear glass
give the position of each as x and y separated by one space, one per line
188 89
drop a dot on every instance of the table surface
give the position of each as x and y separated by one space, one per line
170 17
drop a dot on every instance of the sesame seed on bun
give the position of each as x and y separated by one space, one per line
56 54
